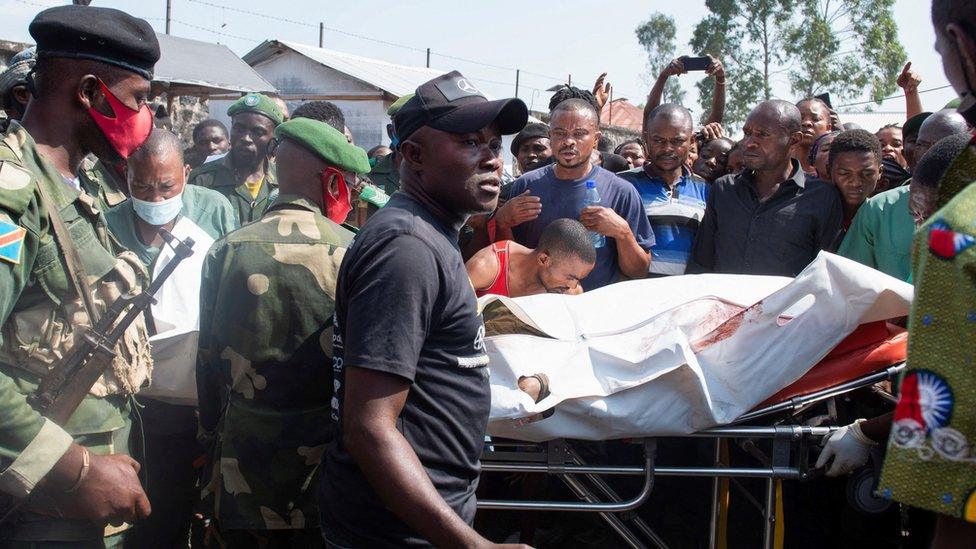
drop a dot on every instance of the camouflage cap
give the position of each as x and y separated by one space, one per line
259 103
325 141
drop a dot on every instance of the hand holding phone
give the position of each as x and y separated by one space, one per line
700 63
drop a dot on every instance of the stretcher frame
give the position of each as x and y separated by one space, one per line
788 460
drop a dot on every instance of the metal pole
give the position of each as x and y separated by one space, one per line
169 14
516 81
321 34
570 80
428 58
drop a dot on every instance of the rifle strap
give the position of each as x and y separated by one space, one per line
72 261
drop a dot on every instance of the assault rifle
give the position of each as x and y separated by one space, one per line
62 390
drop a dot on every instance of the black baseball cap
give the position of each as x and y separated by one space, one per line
100 34
451 103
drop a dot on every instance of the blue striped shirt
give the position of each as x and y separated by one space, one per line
674 215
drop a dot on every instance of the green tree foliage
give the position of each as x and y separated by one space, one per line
844 47
746 35
657 37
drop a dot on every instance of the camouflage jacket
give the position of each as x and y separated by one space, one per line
101 182
267 301
38 321
219 176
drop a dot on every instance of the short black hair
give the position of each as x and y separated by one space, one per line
209 123
605 144
815 100
159 143
567 237
638 142
572 92
787 113
323 111
669 110
961 12
934 163
577 104
859 141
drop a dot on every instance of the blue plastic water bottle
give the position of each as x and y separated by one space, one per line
592 199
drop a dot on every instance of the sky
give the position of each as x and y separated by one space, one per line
486 41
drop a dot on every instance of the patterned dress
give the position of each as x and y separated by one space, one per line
931 462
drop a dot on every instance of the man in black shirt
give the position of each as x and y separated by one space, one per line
412 396
769 219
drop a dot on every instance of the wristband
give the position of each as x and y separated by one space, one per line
85 465
543 380
720 82
858 434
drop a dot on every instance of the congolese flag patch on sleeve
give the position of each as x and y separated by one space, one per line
11 242
947 243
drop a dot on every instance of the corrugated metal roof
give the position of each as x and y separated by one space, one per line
623 114
192 67
397 80
873 121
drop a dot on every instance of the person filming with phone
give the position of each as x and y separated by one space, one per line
683 65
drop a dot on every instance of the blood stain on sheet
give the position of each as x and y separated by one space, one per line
726 329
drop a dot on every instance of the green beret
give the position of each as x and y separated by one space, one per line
327 142
259 103
398 103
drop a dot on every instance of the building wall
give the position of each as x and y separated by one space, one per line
300 79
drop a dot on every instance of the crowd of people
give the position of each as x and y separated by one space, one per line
318 365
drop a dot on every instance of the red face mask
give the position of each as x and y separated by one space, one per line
336 209
127 129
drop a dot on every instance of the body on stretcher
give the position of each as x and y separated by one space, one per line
873 353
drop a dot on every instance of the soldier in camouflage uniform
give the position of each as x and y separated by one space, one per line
263 372
103 183
245 175
91 81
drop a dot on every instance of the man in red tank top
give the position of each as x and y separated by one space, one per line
564 256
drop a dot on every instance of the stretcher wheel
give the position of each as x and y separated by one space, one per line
860 493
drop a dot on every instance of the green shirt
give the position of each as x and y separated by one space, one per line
930 462
266 308
384 174
219 176
881 234
35 278
208 209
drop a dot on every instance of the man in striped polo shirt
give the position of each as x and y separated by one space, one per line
673 197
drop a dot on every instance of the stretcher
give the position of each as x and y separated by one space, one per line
774 433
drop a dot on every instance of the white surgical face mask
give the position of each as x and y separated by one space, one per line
158 213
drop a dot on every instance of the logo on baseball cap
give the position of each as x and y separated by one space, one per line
453 104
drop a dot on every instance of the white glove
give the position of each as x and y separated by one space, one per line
849 447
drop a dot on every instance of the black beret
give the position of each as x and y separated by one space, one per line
530 131
99 34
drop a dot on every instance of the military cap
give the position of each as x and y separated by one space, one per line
259 103
16 73
325 141
397 104
100 34
953 103
913 124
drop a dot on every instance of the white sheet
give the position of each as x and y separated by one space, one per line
177 318
679 354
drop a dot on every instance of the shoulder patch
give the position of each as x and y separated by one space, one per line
11 242
13 178
16 188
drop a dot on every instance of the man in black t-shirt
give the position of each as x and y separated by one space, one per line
412 396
